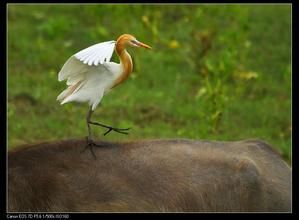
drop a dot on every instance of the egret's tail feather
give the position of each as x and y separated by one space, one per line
69 91
91 95
61 96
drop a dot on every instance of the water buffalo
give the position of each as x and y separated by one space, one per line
171 175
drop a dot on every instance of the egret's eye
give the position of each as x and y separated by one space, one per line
135 42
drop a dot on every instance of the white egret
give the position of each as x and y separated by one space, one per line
90 75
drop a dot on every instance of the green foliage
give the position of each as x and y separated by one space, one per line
217 72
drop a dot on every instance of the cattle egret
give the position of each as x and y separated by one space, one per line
90 75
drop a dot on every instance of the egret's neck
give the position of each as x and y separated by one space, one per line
125 62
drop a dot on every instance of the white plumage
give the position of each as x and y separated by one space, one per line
98 53
89 74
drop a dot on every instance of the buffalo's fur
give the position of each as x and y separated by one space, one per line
149 176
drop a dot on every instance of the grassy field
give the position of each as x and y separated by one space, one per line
217 72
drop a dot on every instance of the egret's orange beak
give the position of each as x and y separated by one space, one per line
140 44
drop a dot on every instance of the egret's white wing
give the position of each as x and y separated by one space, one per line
72 69
89 74
98 53
87 83
93 55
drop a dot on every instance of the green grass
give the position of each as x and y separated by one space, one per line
218 72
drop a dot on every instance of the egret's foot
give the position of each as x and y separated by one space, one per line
90 144
119 130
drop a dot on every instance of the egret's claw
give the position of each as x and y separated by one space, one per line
90 144
119 130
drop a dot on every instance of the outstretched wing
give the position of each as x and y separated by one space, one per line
91 56
89 74
98 53
87 83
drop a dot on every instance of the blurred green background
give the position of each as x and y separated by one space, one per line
217 72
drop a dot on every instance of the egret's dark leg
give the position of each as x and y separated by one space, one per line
90 142
87 122
119 130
